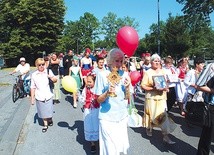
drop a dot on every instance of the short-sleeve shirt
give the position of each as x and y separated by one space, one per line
23 69
113 108
40 82
148 81
97 70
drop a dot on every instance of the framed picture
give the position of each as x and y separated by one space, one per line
159 81
173 78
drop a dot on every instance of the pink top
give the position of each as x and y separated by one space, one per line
40 82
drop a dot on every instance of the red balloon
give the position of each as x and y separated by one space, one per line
127 40
135 77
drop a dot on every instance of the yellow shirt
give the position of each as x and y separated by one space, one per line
148 81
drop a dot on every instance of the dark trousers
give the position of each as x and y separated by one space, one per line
206 136
171 98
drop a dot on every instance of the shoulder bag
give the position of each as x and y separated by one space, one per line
197 112
134 119
51 83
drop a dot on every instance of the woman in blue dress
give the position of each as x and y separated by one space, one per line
113 115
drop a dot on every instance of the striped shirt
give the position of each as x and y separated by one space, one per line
207 78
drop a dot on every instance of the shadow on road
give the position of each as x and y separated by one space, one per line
179 148
80 134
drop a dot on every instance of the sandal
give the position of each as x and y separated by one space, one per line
93 149
50 123
44 129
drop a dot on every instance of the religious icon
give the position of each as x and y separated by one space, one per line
159 82
113 79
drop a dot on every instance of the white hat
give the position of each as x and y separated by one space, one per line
22 59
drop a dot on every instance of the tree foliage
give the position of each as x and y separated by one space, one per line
86 31
30 26
197 8
176 37
151 40
179 39
80 34
111 24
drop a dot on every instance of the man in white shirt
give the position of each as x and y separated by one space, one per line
24 69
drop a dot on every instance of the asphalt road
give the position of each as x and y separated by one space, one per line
20 129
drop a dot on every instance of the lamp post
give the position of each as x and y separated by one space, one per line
77 46
158 30
204 49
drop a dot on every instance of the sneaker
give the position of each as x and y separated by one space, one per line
93 149
75 105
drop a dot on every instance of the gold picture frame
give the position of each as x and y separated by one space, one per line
159 82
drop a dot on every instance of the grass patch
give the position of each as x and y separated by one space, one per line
12 68
8 69
4 84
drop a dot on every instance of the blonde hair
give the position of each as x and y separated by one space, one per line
39 61
114 54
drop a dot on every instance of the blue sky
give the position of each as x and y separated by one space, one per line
143 11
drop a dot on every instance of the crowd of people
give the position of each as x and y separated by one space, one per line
103 82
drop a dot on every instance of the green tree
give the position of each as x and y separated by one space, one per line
80 34
109 27
70 38
111 24
142 48
33 26
176 37
151 40
200 8
89 28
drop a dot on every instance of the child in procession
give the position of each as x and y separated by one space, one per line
91 110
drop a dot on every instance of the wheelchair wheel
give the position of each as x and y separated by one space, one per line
15 93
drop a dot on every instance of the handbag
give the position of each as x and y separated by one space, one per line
134 119
51 83
197 113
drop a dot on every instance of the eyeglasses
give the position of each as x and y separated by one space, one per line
41 64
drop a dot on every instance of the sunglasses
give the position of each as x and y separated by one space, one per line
41 64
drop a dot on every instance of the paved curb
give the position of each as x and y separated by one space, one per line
9 140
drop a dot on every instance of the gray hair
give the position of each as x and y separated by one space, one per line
155 56
114 54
